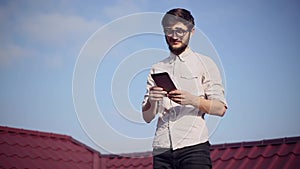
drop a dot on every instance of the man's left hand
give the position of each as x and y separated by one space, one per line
183 97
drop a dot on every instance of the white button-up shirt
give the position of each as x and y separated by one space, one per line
183 125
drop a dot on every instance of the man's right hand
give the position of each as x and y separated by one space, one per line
157 93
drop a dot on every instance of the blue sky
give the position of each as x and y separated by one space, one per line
40 43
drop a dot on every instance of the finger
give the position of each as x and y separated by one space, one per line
156 88
175 92
156 95
159 93
156 99
177 100
177 96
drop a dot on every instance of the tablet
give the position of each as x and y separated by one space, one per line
164 81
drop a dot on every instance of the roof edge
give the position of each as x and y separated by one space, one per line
264 142
46 134
33 132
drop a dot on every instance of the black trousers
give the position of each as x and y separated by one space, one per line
192 157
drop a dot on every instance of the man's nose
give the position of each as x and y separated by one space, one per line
174 35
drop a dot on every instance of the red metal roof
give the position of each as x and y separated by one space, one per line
32 149
281 153
133 161
20 149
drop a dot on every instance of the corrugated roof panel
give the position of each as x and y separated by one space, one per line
280 154
43 153
232 163
259 163
285 149
128 162
31 149
21 149
293 161
21 163
215 154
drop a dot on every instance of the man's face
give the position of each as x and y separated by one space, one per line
177 37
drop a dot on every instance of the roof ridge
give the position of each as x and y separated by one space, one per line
264 142
34 132
46 134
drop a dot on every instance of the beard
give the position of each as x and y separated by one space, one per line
177 50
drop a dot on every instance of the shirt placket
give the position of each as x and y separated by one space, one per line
176 69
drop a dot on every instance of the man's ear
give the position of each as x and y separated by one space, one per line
192 31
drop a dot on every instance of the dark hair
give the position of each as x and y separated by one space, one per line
178 15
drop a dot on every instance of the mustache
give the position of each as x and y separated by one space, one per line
172 40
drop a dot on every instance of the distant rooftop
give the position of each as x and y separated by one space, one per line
20 149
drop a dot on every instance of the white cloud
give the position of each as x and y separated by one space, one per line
46 30
55 28
41 34
11 53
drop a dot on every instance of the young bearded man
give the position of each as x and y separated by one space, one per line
181 139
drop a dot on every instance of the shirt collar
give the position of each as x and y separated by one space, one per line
182 57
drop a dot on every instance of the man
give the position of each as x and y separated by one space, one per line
181 137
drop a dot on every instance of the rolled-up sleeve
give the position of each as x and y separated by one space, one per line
212 82
150 83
